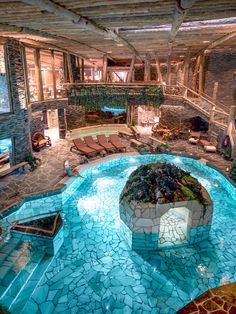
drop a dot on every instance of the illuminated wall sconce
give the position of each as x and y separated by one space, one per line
227 169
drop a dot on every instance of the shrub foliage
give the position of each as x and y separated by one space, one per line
162 182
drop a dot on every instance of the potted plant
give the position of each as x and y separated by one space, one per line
226 152
33 161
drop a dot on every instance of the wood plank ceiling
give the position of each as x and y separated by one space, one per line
126 26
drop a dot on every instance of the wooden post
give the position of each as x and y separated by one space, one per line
38 74
147 69
212 113
201 73
195 73
168 72
65 68
82 70
186 68
78 69
215 91
71 79
130 74
104 69
159 78
53 75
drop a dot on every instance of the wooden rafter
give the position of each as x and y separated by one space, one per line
182 8
29 31
218 42
82 22
44 45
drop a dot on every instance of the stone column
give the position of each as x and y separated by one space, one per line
20 129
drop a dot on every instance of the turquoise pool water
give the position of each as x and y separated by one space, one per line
95 271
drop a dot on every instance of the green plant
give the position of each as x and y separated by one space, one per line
162 148
162 182
226 152
95 97
144 149
33 161
232 174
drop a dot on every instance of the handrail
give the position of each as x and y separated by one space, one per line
119 84
204 96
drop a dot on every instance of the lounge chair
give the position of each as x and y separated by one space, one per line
81 147
92 144
102 140
115 140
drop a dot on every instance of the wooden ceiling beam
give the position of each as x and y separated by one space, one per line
182 8
217 42
82 22
32 43
34 32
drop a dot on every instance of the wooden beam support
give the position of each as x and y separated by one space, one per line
131 70
82 70
201 73
168 71
104 69
69 65
35 32
215 91
181 9
195 73
218 42
186 67
78 20
38 74
147 68
53 75
159 78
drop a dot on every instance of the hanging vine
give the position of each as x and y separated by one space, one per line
98 96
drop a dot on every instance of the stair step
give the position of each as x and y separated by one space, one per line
19 281
24 295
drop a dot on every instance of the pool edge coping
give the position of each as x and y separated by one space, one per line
67 181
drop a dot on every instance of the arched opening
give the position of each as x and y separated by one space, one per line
174 227
198 124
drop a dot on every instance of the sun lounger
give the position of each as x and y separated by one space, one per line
115 140
102 140
135 131
81 147
92 144
126 134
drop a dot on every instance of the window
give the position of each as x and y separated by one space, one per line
45 70
4 97
31 71
47 74
59 74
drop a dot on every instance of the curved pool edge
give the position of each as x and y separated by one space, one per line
63 184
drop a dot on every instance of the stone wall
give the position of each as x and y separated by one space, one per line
75 117
37 108
16 124
220 68
144 221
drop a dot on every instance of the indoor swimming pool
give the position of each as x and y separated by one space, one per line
95 271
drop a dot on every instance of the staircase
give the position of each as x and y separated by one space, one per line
215 112
18 261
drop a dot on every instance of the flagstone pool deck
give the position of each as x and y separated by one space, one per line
50 172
